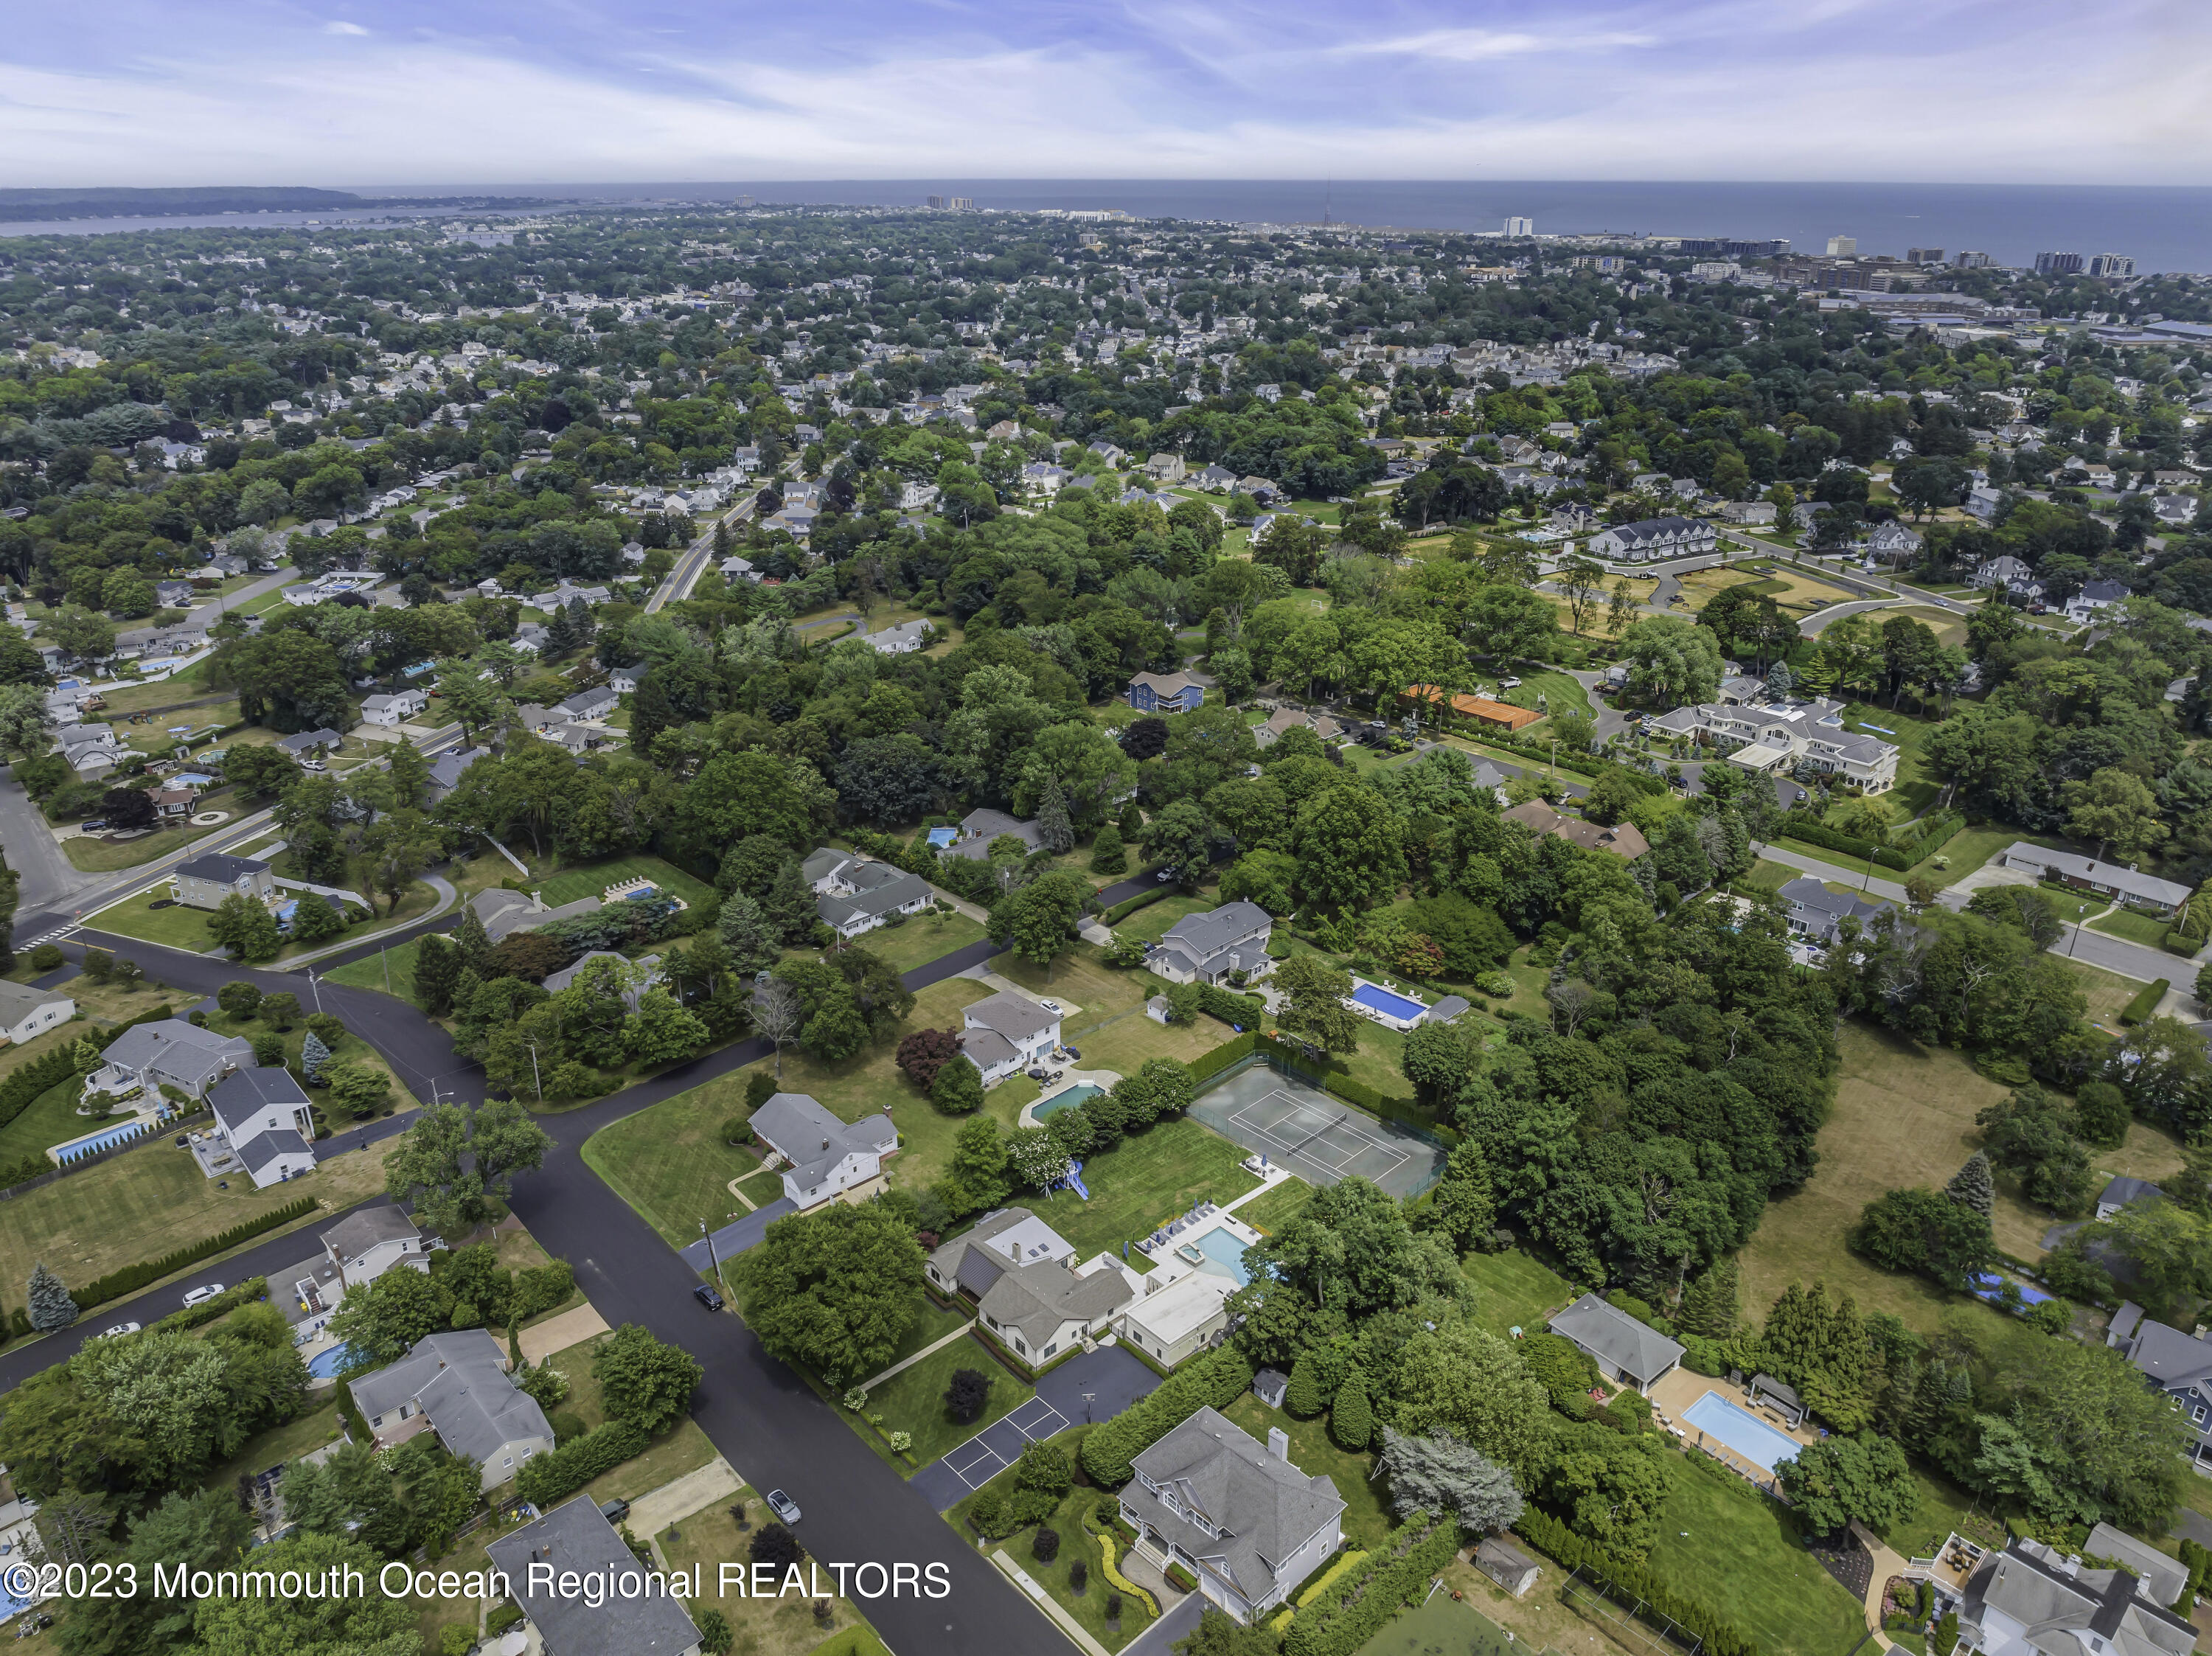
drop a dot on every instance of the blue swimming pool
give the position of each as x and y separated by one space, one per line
1067 1098
328 1365
1379 999
1742 1431
1222 1253
942 837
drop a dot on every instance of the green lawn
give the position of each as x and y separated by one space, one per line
684 1447
1151 923
1514 1290
1440 1623
1970 848
1941 1507
1769 877
1367 1518
310 1430
370 973
913 1400
1270 1213
670 1162
174 924
1561 693
1743 1550
2135 928
1917 783
921 938
573 884
50 1118
106 856
1141 1183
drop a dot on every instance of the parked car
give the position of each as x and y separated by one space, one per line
92 825
707 1296
1166 876
1509 683
614 1511
783 1506
119 1328
202 1294
1074 1052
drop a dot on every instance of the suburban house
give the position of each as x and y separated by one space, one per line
903 639
394 709
91 749
2177 1364
1623 1348
595 703
1235 1513
1783 735
1749 512
2016 578
1165 469
2121 884
858 895
268 1122
824 1159
1177 1318
1500 715
1893 542
566 594
566 976
1164 693
1653 538
1029 1293
576 1537
2033 1599
505 912
457 1385
979 827
146 1057
2122 1193
1818 913
1006 1034
205 881
306 746
26 1012
363 1246
1284 720
2095 598
1207 947
447 769
1624 840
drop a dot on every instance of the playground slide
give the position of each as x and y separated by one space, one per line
1074 1180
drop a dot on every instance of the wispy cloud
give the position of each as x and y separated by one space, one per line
1475 45
336 27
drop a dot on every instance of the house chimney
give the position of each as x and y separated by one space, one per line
1279 1443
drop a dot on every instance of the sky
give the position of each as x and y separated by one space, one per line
368 92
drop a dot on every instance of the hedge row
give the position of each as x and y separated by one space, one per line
1581 764
1128 906
1353 1609
549 1477
1802 825
1215 1380
197 1316
1207 1066
1722 1636
32 1079
1239 1011
1358 1093
2146 1001
131 1278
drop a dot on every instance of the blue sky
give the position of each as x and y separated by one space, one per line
464 91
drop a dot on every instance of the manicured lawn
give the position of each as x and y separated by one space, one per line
1970 848
105 855
762 1187
913 1400
1514 1290
174 924
670 1162
1268 1213
1142 1183
1367 1518
1741 1550
2108 991
1769 877
1917 784
2137 928
1088 1607
50 1118
1941 1507
1561 693
1151 922
682 1448
571 884
370 973
1107 1021
921 938
766 1626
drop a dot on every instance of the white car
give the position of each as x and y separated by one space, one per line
783 1506
1049 1006
119 1328
1509 683
201 1295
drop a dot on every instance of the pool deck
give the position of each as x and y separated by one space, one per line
1102 1079
1676 1392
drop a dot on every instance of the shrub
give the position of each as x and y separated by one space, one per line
547 1478
774 1545
45 957
566 1426
1079 1577
1217 1380
957 1089
2146 1002
1046 1547
968 1394
1499 984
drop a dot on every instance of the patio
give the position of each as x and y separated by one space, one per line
1676 1393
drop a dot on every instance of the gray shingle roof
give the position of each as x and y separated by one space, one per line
220 869
357 1233
879 895
1641 1352
1016 1018
577 1537
258 1152
1202 939
1268 1506
18 1001
189 1054
1038 1298
815 1140
248 1090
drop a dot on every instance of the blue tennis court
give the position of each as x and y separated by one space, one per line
1743 1431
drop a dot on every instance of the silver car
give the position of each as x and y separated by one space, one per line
783 1506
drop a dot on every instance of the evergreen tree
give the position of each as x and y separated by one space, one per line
1711 1304
580 620
1108 853
651 712
746 934
1131 823
437 969
1973 1186
1053 826
51 1305
560 635
1302 1397
313 1055
790 906
1352 1417
473 941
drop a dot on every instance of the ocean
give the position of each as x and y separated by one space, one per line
2161 227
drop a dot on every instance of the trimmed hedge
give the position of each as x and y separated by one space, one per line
2179 943
34 1078
1353 1609
1238 1011
1207 1066
1216 1381
1128 906
1580 764
131 1278
1805 827
549 1478
2146 1001
197 1316
1358 1095
1722 1636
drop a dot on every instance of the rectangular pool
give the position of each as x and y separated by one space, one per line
1379 999
1742 1431
1067 1098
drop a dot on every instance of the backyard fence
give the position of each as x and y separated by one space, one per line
1631 1623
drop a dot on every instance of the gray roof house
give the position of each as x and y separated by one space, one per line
1623 1348
505 912
172 1052
1005 1033
596 703
206 880
824 1157
979 827
1817 912
310 741
576 1537
1033 1297
900 640
1235 1513
1207 947
2031 1599
457 1385
269 1121
2178 1364
447 769
26 1012
1002 1238
2124 1193
863 895
363 1246
566 976
2113 880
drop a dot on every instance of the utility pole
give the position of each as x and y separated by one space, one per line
315 984
711 1260
537 1086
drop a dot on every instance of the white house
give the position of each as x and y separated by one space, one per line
1780 736
363 1246
1030 1294
624 680
268 1122
2033 1599
1207 947
26 1012
1653 538
396 708
577 1623
1178 1317
1006 1034
2095 599
857 895
823 1158
1237 1515
2018 581
903 639
169 1051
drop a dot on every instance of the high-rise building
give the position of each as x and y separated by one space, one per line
2059 264
1520 226
1923 256
2111 264
961 204
1972 261
1843 246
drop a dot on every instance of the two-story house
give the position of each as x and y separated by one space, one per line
1006 1034
205 881
2033 1600
395 709
457 1385
1164 693
169 1051
1817 912
824 1158
363 1246
1234 1514
1653 538
576 1540
1030 1294
1785 735
2096 597
2007 572
268 1122
2176 1363
1207 947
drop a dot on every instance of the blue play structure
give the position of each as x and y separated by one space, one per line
1990 1287
1072 1179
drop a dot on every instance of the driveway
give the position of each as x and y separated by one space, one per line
1111 1378
733 1239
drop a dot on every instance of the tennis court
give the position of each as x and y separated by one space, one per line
1302 1129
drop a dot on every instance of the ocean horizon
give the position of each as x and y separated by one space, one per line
2163 227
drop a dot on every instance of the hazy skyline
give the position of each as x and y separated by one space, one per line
261 91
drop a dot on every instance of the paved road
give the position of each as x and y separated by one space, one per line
694 561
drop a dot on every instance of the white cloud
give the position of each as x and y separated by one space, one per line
344 28
1475 45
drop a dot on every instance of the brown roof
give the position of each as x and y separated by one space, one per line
1624 840
1481 708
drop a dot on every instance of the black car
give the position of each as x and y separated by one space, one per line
705 1296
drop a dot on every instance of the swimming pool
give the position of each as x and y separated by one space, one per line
1219 1251
1065 1099
1742 1431
1376 998
328 1365
942 837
